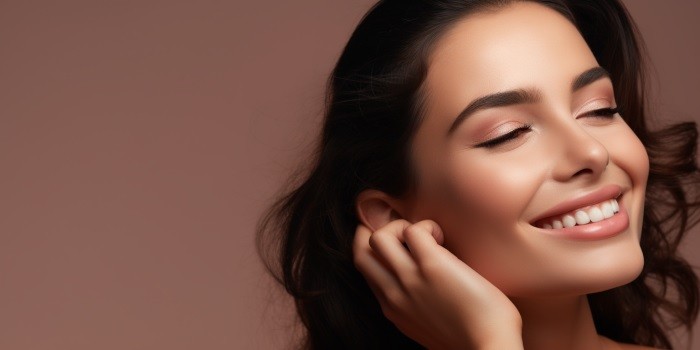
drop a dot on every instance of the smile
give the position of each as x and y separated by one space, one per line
582 216
596 215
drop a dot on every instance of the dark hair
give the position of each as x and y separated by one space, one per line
373 107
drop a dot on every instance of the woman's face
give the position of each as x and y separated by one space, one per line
489 178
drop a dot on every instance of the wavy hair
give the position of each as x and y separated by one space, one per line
374 106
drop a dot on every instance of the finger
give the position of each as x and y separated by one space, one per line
422 243
434 229
378 276
387 242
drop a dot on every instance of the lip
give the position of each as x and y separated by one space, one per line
604 193
598 230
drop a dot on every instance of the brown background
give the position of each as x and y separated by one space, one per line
140 141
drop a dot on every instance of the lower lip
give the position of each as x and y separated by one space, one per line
596 230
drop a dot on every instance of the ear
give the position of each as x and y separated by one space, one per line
376 209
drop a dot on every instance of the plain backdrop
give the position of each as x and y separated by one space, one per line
141 140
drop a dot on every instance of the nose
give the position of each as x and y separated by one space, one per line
583 155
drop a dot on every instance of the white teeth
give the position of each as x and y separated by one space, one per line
569 221
594 213
607 210
582 217
557 224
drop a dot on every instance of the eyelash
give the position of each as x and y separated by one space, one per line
608 113
505 137
604 112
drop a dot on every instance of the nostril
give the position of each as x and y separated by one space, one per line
584 171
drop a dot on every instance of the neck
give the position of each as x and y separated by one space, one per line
558 323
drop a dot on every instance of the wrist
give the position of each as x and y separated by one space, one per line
504 343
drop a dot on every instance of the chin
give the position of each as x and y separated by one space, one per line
611 272
590 273
618 274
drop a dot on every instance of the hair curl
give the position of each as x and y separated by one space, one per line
373 107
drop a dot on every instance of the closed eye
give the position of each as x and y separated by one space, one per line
505 137
607 113
603 112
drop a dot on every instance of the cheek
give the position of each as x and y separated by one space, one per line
482 200
626 151
629 152
497 187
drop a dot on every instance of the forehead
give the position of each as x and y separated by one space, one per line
523 44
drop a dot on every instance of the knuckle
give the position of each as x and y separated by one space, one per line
428 225
412 282
428 222
393 297
432 228
396 226
376 238
411 232
430 267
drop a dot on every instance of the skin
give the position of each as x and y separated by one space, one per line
476 271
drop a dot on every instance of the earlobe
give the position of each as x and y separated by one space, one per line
376 209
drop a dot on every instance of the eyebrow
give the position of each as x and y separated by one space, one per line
523 95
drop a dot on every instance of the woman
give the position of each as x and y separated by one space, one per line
486 179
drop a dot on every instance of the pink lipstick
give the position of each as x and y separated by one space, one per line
594 215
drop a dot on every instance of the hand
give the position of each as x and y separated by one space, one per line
431 295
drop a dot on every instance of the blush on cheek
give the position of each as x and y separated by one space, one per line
494 192
631 155
635 161
640 162
474 216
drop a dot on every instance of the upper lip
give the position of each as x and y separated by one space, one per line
604 193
